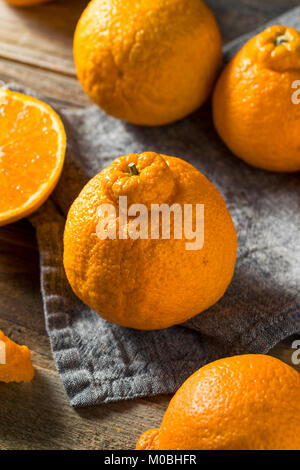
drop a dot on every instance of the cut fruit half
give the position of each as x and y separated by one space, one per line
32 152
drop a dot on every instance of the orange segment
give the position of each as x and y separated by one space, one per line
32 151
15 361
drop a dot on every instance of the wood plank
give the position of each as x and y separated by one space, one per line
37 341
20 300
38 59
43 36
36 49
35 416
45 28
63 90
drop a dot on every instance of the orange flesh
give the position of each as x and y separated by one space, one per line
31 153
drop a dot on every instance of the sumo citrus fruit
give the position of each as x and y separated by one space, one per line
253 109
149 62
248 402
148 283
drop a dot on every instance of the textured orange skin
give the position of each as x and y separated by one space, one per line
148 440
33 145
248 402
18 367
149 62
24 3
252 102
149 284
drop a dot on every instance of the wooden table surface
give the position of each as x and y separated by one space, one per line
36 50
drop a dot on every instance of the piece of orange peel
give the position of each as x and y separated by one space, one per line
15 361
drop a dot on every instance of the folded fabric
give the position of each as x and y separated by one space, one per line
101 362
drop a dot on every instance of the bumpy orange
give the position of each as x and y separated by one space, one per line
149 283
32 152
248 402
149 62
253 106
17 366
24 3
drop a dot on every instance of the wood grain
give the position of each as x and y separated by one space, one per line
36 51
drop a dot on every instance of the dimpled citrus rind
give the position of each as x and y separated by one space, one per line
149 283
148 440
130 57
248 402
253 109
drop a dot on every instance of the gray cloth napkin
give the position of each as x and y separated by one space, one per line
101 362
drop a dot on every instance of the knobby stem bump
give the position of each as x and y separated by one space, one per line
133 169
281 40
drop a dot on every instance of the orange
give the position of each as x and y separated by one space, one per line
246 402
32 151
253 109
22 3
148 283
149 62
15 361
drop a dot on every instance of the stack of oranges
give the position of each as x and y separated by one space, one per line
151 63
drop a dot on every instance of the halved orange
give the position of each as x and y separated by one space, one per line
32 152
